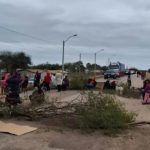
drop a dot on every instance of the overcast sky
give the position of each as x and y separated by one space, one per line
120 27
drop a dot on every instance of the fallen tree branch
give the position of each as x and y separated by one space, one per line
139 123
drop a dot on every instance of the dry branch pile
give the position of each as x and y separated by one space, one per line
54 108
88 111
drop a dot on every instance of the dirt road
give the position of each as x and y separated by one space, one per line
136 81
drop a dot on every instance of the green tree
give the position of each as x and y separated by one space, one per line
47 66
75 67
11 61
91 67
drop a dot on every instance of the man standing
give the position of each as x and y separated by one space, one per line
37 79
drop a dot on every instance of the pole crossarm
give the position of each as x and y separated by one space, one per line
70 37
99 51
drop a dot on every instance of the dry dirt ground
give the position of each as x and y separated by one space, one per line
50 136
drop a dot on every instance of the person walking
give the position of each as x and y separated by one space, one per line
47 81
129 83
24 84
4 83
37 79
65 83
147 93
59 81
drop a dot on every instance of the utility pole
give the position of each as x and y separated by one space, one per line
79 62
95 63
80 57
64 41
108 61
63 57
95 60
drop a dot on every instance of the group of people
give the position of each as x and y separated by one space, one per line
13 82
141 74
110 85
45 84
91 83
61 83
11 86
19 83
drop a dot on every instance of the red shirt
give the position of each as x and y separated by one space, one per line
47 78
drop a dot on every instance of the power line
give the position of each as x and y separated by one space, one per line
23 34
12 46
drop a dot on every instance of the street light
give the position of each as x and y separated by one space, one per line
95 59
64 41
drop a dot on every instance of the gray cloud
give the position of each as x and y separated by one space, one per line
122 28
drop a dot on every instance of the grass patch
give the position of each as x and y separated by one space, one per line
110 91
102 112
78 81
4 110
130 92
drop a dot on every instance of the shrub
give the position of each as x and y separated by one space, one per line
4 110
130 92
102 112
110 91
78 81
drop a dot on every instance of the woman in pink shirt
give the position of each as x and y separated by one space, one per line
3 82
147 92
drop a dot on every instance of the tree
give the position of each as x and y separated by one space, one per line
11 61
91 67
75 67
47 66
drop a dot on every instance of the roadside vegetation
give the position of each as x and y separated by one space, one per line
89 112
125 92
102 112
78 81
130 92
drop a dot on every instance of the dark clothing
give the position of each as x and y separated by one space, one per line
113 85
142 75
45 86
13 84
129 74
25 83
59 88
147 88
129 82
107 85
37 79
138 73
91 83
65 84
143 89
3 77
